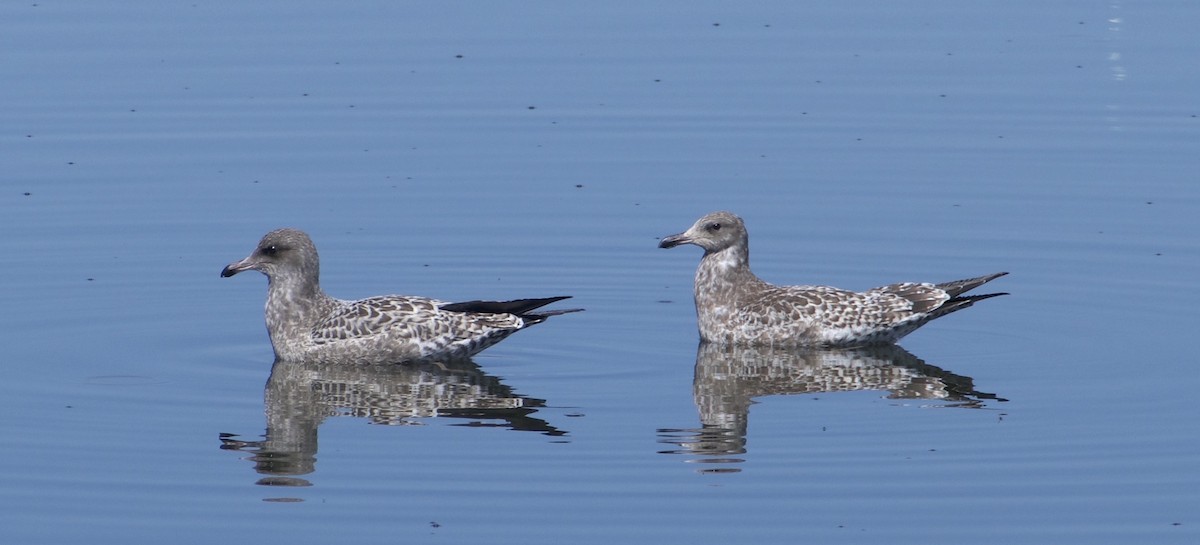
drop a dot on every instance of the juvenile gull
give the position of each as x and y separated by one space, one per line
733 306
305 323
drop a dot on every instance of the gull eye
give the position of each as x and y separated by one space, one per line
713 227
270 251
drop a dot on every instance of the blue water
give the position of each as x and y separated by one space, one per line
489 150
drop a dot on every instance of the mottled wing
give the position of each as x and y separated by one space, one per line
839 316
416 319
836 308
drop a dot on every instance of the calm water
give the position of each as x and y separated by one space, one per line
499 150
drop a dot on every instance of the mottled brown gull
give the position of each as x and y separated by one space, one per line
733 306
305 323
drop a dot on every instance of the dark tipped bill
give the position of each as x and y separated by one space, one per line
236 267
673 241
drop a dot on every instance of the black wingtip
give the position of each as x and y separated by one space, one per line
975 298
520 307
548 313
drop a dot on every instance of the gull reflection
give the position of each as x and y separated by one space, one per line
728 378
301 395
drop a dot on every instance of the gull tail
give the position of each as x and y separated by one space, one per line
539 317
959 287
958 301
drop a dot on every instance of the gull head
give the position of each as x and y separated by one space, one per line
280 252
714 232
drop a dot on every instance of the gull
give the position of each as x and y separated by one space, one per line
733 306
305 324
